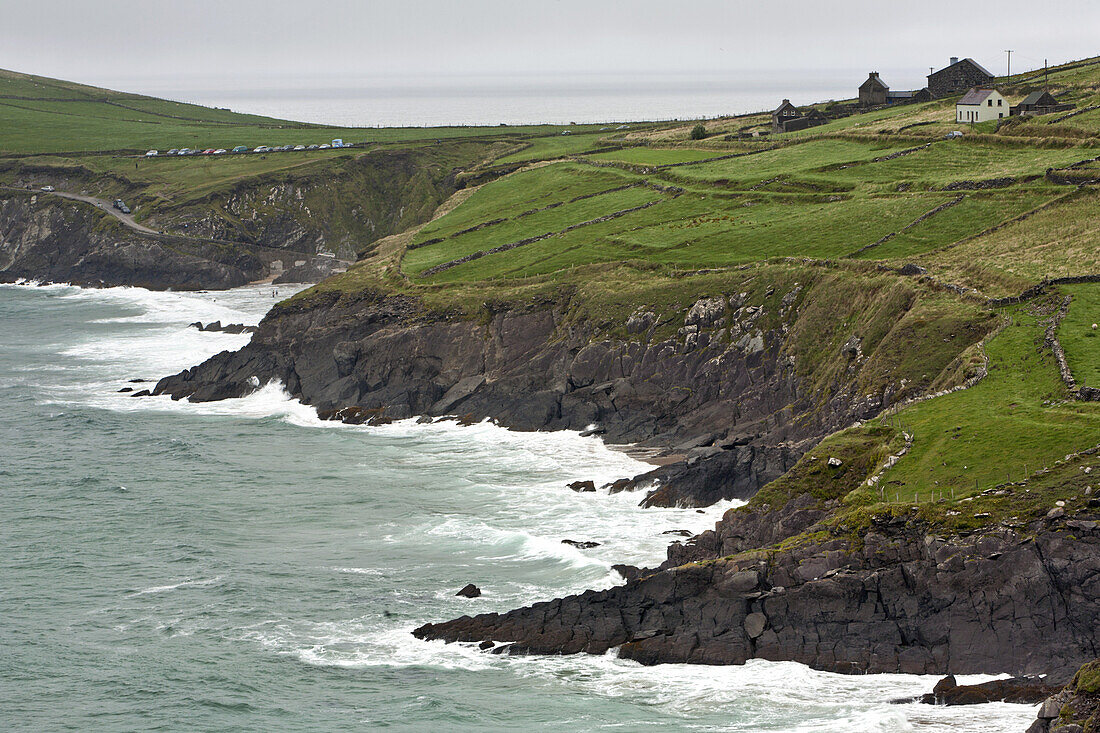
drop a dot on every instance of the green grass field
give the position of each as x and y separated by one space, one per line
959 440
1078 337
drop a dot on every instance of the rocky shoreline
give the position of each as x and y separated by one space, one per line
902 594
725 390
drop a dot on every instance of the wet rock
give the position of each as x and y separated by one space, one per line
357 415
580 544
1026 690
619 485
485 645
233 328
679 532
127 389
469 591
583 486
629 572
142 393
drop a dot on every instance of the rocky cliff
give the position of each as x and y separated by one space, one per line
741 382
886 588
49 239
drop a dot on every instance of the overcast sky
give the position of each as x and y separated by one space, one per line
120 42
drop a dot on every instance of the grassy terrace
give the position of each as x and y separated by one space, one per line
859 198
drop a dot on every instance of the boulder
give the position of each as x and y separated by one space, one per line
469 591
583 486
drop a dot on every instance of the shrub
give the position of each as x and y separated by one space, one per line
698 132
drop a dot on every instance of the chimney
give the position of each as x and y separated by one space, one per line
954 60
786 101
874 74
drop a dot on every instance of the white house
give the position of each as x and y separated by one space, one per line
981 105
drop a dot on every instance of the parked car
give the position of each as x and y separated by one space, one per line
122 206
312 147
173 151
185 151
240 149
299 147
338 143
151 154
953 134
219 151
261 149
208 151
324 146
48 189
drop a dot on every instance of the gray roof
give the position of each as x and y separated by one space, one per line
1035 98
976 65
975 96
980 67
873 80
900 94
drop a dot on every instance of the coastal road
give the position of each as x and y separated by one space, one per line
107 206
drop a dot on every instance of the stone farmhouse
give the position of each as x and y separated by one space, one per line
981 105
958 77
788 118
875 92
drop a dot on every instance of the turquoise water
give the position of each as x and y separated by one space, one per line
244 566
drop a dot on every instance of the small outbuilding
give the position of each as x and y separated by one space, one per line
1040 103
981 105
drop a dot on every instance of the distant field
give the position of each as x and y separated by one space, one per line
660 156
1061 240
974 214
556 146
39 115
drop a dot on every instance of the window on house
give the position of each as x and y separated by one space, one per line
989 103
999 102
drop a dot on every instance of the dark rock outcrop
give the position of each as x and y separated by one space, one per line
469 591
729 382
1026 690
53 240
581 544
900 599
227 328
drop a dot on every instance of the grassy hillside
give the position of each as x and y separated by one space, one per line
614 217
42 115
867 192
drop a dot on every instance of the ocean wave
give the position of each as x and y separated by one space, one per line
188 583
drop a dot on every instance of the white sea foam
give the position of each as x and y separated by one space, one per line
188 583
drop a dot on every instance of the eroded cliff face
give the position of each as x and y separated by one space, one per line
340 206
727 387
901 599
49 239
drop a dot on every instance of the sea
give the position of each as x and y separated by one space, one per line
245 566
514 99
